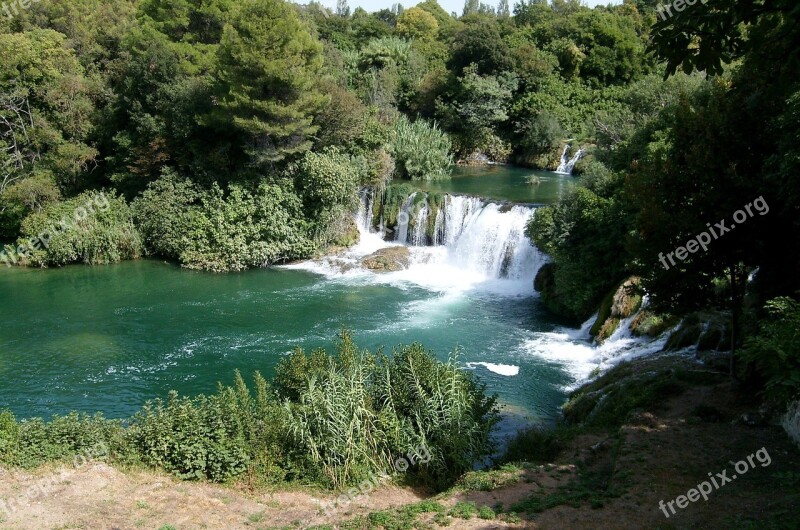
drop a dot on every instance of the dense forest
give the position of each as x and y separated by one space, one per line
231 135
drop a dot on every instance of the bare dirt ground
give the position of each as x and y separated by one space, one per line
655 456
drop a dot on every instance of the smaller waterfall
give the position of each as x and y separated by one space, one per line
419 238
567 165
403 219
438 228
562 167
364 216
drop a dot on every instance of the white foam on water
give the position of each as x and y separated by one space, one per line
574 350
507 370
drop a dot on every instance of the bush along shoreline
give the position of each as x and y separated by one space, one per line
330 420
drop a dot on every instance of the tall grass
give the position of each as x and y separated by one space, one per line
327 419
422 151
365 410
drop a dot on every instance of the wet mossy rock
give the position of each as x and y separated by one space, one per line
708 331
621 303
650 324
389 259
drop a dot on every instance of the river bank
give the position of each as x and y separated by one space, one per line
668 423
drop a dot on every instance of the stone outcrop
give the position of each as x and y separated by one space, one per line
622 303
389 259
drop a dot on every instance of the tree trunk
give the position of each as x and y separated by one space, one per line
736 308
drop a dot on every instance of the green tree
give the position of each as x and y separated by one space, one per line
480 43
268 68
416 23
45 121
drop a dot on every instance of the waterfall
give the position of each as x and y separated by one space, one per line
472 239
419 237
364 215
438 227
403 219
567 165
458 212
493 243
562 167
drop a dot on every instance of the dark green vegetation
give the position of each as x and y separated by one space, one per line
228 135
239 132
702 150
331 420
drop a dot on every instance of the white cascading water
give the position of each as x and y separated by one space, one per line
562 167
419 237
476 240
438 227
403 220
459 211
567 165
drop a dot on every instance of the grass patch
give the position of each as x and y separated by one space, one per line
609 401
464 510
539 446
486 513
489 480
594 484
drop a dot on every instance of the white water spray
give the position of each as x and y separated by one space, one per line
567 165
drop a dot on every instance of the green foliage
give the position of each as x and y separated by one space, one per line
28 195
73 439
464 510
327 180
585 234
479 106
268 63
210 230
246 229
45 109
214 437
537 445
540 135
775 350
93 228
164 214
486 513
422 151
480 43
358 412
416 23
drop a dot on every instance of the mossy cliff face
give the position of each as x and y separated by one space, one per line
395 196
621 303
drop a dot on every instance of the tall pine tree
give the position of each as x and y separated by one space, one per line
268 67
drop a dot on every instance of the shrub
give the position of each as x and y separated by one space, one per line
212 230
92 228
358 412
775 350
72 438
216 437
421 151
164 214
